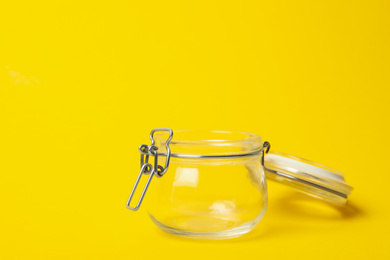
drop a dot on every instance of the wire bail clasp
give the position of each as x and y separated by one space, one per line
147 168
265 148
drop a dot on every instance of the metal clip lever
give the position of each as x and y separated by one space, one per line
147 168
143 169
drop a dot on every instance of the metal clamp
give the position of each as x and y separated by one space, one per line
147 168
266 147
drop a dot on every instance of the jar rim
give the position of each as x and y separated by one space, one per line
211 143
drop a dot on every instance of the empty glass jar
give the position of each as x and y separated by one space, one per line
213 184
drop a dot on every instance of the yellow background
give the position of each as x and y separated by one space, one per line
82 83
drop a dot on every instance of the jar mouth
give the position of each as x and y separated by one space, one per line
210 143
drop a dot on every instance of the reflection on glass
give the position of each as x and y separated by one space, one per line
186 177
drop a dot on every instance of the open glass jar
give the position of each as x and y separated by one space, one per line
214 184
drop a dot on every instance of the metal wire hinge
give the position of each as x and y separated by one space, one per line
148 168
266 147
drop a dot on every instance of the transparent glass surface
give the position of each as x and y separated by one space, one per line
210 198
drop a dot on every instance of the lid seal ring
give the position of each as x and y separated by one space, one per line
267 146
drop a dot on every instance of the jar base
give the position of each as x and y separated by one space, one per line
226 234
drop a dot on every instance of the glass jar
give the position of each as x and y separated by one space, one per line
213 184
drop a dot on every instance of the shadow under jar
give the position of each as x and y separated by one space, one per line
215 186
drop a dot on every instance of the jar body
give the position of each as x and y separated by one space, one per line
209 198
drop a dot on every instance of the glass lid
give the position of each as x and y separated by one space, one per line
308 177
